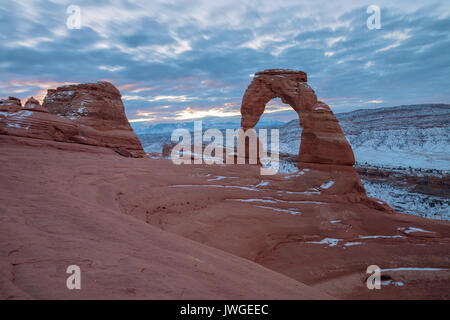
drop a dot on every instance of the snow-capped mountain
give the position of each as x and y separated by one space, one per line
416 136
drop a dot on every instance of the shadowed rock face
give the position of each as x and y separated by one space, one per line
322 139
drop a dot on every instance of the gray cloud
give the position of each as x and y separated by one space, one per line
205 51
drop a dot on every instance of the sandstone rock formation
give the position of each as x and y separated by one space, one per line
98 110
33 105
34 121
91 113
322 139
324 148
10 105
167 149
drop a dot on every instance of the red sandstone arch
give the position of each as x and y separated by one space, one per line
322 139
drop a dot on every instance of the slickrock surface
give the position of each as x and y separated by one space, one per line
62 208
146 228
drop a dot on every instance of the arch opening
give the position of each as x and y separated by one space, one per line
282 116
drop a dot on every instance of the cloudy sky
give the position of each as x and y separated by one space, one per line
176 60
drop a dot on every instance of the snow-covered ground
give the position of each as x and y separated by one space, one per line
406 136
400 199
417 148
427 148
405 201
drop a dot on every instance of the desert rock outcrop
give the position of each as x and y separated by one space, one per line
11 104
324 149
33 105
34 121
98 110
91 113
322 139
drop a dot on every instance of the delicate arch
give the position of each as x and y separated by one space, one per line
322 139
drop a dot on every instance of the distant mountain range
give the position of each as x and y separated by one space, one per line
153 136
211 122
416 136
